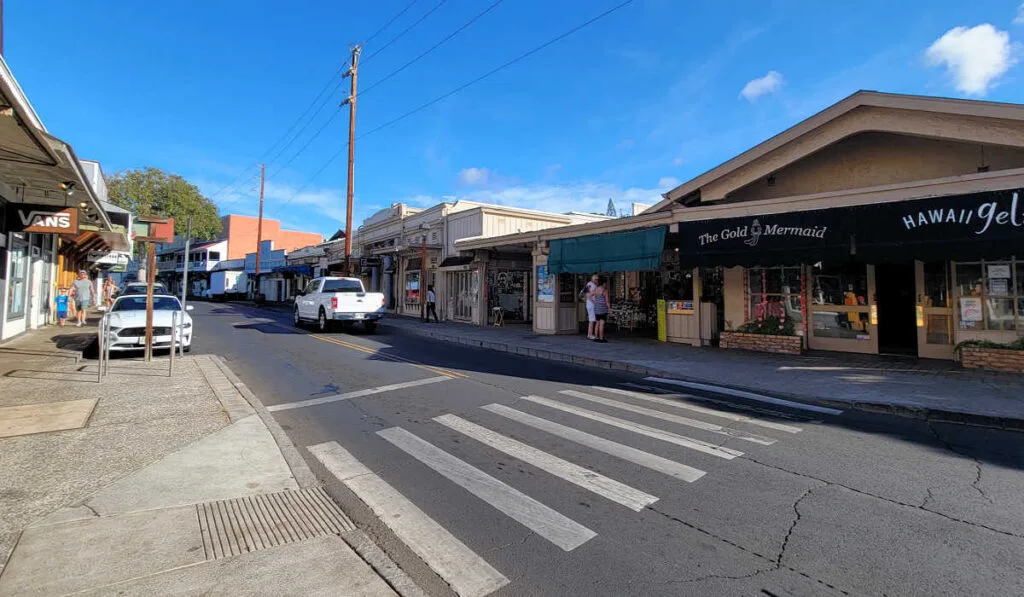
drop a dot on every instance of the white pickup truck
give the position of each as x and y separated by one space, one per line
329 300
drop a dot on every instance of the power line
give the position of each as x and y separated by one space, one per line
432 48
426 105
404 31
233 185
389 21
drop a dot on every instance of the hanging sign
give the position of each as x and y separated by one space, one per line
42 219
970 308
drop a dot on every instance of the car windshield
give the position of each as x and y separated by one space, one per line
138 303
141 288
342 286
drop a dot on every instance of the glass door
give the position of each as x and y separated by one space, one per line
934 310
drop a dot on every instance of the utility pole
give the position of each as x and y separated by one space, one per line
352 72
423 277
259 234
184 273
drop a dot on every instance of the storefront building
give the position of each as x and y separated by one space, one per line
885 224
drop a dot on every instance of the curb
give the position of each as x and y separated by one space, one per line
910 412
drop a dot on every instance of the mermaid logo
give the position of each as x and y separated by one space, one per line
755 234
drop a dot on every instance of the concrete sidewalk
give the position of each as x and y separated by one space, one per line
150 484
938 390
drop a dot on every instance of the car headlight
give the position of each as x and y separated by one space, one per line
187 325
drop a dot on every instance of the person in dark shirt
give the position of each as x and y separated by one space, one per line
61 302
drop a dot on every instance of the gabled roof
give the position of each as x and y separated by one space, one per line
957 107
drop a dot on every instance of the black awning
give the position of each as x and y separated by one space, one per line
414 264
457 261
987 225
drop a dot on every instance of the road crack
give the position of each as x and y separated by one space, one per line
885 499
976 483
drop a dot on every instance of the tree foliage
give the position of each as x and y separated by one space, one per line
153 192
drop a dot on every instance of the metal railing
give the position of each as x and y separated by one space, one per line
105 339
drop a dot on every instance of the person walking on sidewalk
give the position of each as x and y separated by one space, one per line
81 291
586 295
431 305
109 290
600 299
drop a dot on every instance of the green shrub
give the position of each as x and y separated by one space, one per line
1017 344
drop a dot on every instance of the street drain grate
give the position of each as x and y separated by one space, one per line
237 526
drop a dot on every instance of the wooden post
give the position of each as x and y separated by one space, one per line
150 280
423 278
351 101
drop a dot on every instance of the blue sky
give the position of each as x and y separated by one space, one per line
656 93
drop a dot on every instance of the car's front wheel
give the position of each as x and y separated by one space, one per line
321 320
296 320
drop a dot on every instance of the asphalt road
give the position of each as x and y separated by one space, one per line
792 503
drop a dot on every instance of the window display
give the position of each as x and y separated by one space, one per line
839 301
989 295
18 282
412 288
776 292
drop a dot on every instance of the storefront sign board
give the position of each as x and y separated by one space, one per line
680 307
42 219
999 271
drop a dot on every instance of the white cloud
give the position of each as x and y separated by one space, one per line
474 176
668 182
1019 19
677 161
588 197
755 88
974 57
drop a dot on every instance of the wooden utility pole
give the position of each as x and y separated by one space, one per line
352 72
259 234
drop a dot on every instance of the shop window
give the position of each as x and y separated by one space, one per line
936 284
17 284
678 286
839 301
989 295
412 288
776 292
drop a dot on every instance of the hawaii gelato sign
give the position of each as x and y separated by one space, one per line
751 233
987 216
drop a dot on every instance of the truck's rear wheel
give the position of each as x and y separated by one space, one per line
321 321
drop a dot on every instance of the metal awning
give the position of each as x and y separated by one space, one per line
458 261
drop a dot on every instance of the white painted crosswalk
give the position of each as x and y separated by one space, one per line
633 499
469 574
546 522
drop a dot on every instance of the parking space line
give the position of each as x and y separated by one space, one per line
356 394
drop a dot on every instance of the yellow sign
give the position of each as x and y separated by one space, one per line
662 322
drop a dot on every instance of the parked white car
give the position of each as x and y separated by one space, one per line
328 300
128 323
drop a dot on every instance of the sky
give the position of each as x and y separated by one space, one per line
627 107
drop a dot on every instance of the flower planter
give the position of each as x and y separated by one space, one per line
998 359
761 342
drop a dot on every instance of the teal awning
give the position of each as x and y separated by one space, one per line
628 251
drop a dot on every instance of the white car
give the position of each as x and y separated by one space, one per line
128 323
341 300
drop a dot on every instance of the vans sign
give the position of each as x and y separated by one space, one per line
42 219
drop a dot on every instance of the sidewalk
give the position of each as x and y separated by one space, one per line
937 390
150 484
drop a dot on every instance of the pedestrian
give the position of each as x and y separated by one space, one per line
585 294
109 290
600 299
431 305
61 302
81 291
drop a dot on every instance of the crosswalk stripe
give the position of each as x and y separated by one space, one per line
701 409
556 528
657 414
356 394
667 436
726 403
467 573
611 489
628 453
748 395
